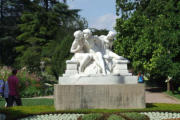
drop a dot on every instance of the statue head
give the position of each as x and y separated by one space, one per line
78 35
87 33
111 35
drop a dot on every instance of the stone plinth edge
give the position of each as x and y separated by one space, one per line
97 80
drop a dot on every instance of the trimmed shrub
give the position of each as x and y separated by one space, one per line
135 116
92 116
115 117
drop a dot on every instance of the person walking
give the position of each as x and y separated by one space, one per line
13 84
2 88
6 92
140 78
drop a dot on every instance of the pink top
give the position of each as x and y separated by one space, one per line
12 83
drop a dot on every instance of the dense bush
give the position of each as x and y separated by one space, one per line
31 84
4 72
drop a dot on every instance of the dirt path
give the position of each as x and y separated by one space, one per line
155 95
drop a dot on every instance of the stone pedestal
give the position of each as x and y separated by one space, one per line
121 67
121 96
71 68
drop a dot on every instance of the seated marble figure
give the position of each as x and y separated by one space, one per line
93 53
80 53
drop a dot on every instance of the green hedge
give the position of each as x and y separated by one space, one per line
23 111
92 116
135 116
118 116
115 117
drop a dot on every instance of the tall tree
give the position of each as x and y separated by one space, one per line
149 37
11 11
43 32
38 29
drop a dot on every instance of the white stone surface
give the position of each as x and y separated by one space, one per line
97 80
121 67
71 72
71 67
93 55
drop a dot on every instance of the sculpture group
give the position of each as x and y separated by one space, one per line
93 54
96 77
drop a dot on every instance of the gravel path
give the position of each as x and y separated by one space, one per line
155 95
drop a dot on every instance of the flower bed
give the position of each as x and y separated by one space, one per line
31 84
161 115
53 117
151 115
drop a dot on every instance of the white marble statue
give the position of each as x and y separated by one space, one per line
109 56
80 53
95 49
93 54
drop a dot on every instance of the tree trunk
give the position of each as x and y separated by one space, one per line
46 4
168 86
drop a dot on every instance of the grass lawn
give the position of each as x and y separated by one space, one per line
31 102
176 94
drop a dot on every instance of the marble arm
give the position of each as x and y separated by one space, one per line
75 47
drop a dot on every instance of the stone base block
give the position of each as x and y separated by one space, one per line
122 96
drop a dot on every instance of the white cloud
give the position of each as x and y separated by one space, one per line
76 4
106 21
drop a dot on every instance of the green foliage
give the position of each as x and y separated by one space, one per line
10 12
38 29
32 31
93 116
123 116
31 91
99 32
28 109
33 102
17 112
175 94
115 117
149 37
135 116
61 53
48 83
5 72
30 84
46 36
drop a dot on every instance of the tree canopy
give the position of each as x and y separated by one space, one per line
33 31
148 34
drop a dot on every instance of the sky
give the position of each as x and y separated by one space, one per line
100 14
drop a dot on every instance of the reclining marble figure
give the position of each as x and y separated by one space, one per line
93 55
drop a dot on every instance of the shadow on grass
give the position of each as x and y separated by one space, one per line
155 89
12 114
150 105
